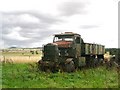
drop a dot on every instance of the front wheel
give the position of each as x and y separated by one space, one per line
70 67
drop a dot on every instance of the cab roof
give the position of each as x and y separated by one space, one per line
67 34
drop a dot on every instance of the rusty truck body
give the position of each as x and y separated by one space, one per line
69 52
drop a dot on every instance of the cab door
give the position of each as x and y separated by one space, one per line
78 46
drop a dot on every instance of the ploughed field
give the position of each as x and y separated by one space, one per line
28 76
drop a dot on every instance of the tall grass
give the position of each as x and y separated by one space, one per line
28 76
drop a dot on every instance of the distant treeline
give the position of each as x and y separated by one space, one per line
116 52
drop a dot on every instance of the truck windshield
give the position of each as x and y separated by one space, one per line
63 39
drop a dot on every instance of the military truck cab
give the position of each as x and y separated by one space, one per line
68 43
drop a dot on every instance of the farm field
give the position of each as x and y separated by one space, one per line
20 57
27 76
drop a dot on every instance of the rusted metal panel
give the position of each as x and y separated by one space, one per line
91 49
78 50
100 49
86 48
63 44
95 49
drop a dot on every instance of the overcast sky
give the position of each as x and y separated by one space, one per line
32 23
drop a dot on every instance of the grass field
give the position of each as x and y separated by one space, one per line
23 73
27 76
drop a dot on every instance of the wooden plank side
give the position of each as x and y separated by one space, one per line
94 49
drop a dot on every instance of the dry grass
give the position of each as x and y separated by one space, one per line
20 59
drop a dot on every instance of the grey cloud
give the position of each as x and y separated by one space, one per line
38 35
18 43
72 7
33 39
45 18
9 19
89 26
35 31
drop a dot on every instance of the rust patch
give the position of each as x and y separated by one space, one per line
64 44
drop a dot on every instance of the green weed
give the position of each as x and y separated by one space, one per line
28 76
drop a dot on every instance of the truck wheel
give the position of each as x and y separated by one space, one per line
70 67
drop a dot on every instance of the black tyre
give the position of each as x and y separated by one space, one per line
70 67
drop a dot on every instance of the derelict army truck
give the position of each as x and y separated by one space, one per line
69 52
